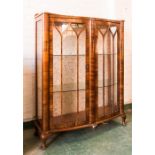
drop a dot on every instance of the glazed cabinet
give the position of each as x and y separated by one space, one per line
79 72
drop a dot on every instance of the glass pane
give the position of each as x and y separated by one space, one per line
82 100
82 43
106 50
112 70
56 42
77 27
106 96
82 107
56 73
57 104
115 98
39 68
99 44
107 100
115 68
100 97
69 73
100 102
115 43
108 43
116 107
69 43
108 70
68 70
82 72
103 29
61 27
69 102
113 29
112 94
101 35
100 71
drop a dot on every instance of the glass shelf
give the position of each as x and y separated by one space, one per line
69 55
107 54
109 85
69 90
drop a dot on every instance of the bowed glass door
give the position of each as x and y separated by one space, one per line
68 83
106 49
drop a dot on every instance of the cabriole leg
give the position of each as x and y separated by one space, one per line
43 142
124 120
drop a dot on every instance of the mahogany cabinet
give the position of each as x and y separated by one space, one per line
79 72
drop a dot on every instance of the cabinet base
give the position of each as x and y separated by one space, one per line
45 135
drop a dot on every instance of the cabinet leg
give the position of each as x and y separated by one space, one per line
43 144
43 138
124 120
94 126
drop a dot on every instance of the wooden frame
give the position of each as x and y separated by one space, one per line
45 125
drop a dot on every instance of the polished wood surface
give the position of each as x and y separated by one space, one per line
98 103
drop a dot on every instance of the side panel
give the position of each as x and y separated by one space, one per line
42 71
39 50
45 73
121 67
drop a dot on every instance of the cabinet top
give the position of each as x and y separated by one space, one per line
80 17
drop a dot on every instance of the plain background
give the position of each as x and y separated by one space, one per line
11 79
111 9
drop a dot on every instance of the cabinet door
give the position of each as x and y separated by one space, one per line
106 83
68 73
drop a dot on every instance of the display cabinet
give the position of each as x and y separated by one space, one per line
79 72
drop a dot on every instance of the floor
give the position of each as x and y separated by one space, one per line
105 139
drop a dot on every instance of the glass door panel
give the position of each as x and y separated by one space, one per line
106 55
69 75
